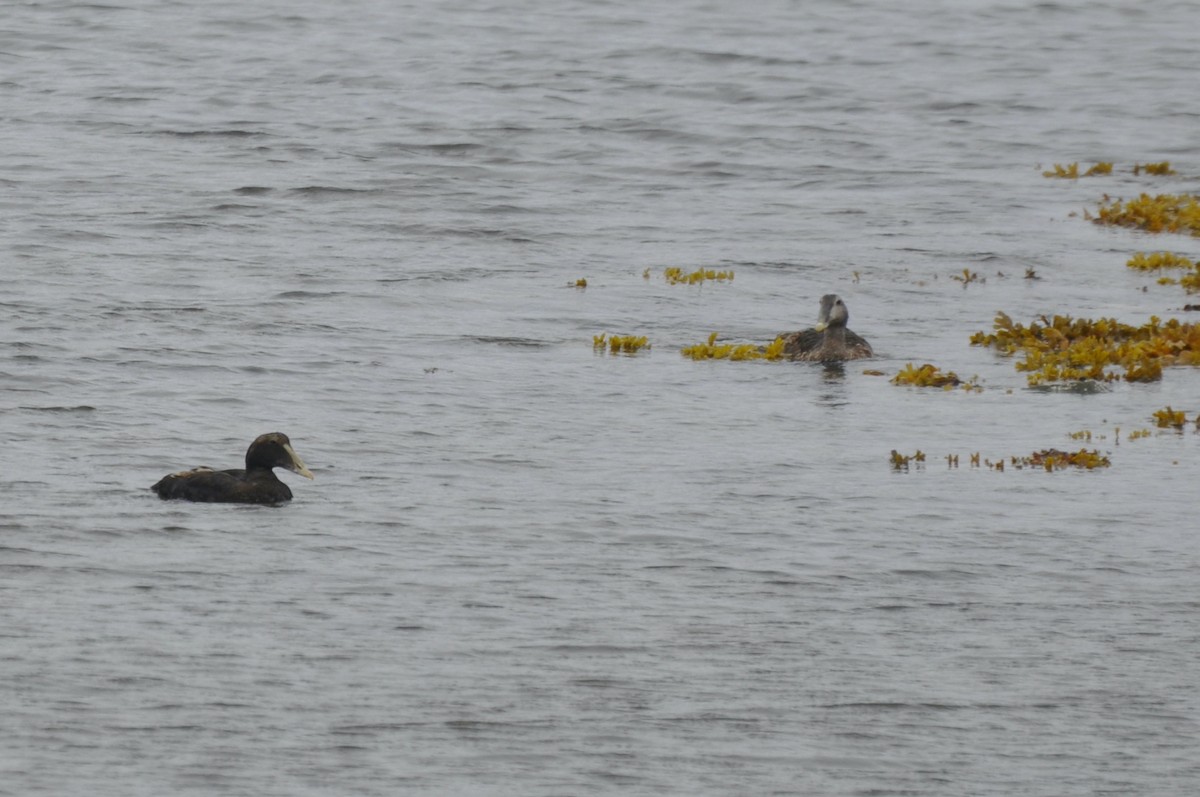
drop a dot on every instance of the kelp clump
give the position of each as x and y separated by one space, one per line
1168 418
1053 459
929 375
1071 171
1179 213
1159 169
1047 459
675 275
1158 261
620 344
711 350
902 461
1076 349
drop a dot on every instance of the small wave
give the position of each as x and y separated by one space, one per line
330 190
233 133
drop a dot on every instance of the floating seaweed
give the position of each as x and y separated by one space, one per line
675 275
1053 459
1160 169
967 277
1064 349
1161 260
902 461
579 283
711 350
1156 261
1071 170
929 375
1047 459
1169 418
1179 213
620 344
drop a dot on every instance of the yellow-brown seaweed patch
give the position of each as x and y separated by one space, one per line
1053 459
1071 170
1179 213
929 375
1076 349
1155 261
675 275
620 344
902 461
1160 169
711 350
1047 459
1168 418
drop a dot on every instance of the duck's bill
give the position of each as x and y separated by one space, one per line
297 465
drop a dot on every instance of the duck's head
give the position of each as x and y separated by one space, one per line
274 450
833 313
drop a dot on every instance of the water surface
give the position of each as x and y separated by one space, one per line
527 568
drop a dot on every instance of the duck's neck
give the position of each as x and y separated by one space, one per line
835 335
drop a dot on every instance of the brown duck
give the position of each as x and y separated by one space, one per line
829 340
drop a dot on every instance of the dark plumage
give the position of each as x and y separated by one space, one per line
257 484
829 340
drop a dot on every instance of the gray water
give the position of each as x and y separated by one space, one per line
527 568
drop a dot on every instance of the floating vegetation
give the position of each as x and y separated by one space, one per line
620 344
1178 213
1161 260
711 350
1064 349
1138 434
1048 459
1168 418
1160 169
1030 274
1053 459
676 276
967 277
1071 171
902 461
579 283
929 375
1158 260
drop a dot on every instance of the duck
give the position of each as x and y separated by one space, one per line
829 340
256 484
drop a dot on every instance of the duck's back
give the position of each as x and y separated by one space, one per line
809 344
224 486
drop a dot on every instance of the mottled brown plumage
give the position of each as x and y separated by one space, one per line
829 340
256 484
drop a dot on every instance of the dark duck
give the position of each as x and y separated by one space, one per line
257 484
829 340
